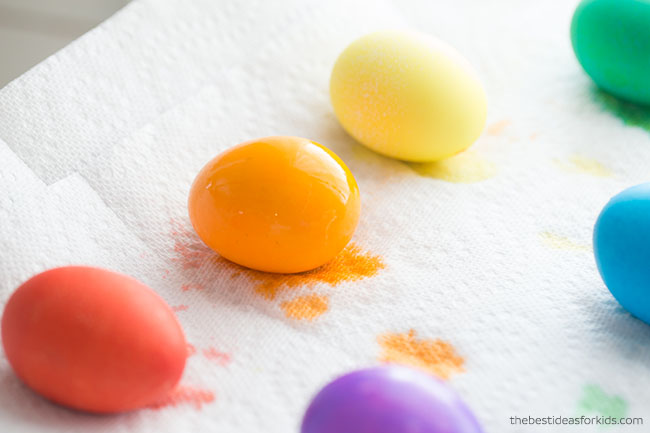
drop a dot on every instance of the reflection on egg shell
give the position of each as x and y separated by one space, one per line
408 95
93 340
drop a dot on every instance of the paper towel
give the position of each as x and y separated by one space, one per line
104 138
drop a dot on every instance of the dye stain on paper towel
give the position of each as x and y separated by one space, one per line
466 167
631 114
435 356
352 264
497 128
189 251
306 307
185 395
595 400
191 286
562 242
217 356
582 165
211 353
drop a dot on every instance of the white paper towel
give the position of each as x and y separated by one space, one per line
102 141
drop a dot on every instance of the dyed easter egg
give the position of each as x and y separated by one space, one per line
93 339
611 39
622 249
276 204
388 399
408 96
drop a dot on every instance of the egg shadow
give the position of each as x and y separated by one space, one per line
21 406
332 134
630 113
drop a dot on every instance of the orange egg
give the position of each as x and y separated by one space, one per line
276 204
93 340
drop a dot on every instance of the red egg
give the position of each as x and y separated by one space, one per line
93 339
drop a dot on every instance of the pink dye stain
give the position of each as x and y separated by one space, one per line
190 286
183 394
217 356
211 353
177 308
190 252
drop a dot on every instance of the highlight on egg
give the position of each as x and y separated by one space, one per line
408 95
93 340
276 204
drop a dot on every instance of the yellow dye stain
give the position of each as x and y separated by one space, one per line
306 307
562 242
580 164
434 356
497 128
466 167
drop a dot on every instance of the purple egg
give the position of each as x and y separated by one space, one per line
388 399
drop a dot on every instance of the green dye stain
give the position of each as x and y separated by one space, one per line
596 401
631 114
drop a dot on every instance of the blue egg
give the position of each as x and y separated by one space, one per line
622 249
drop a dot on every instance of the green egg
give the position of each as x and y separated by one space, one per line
611 39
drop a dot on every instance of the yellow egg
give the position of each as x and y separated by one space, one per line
408 96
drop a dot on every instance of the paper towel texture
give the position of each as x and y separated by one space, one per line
490 255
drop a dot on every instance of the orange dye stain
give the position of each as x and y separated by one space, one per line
195 397
177 308
352 264
433 356
191 350
497 128
219 357
306 307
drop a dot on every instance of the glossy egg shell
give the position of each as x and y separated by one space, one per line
388 399
408 96
622 249
611 39
276 204
93 340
